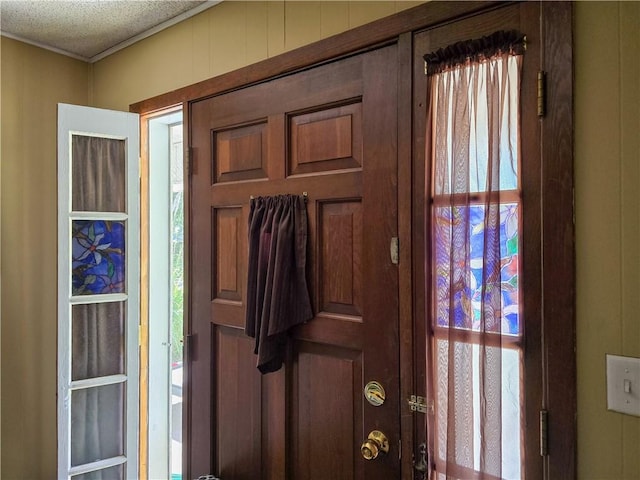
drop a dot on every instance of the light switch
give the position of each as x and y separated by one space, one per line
623 384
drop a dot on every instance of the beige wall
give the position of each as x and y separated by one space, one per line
232 35
33 82
221 39
607 174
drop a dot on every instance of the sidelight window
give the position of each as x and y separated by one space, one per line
475 323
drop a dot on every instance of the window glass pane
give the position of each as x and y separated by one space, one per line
98 174
98 257
464 96
511 413
97 340
175 140
465 303
462 400
111 473
499 439
177 297
97 423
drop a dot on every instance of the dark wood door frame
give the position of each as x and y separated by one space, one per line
558 267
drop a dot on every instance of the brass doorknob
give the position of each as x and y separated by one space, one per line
375 443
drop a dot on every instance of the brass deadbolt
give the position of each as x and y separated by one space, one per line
376 443
374 393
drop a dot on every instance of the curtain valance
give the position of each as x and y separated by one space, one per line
510 41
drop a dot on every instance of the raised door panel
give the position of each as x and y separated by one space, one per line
238 412
227 225
228 268
327 413
240 153
340 251
324 140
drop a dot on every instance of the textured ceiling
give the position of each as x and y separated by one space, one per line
86 29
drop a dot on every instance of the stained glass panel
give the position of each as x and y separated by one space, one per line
468 284
98 257
98 174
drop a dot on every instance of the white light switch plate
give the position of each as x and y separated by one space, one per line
623 384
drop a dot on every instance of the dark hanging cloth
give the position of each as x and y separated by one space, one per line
277 294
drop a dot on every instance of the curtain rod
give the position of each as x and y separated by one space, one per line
304 194
459 53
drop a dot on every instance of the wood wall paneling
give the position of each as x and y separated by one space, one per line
125 77
360 37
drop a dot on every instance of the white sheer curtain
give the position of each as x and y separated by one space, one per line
474 323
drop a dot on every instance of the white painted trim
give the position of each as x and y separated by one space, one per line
141 36
82 133
97 382
159 372
111 216
92 467
107 297
64 293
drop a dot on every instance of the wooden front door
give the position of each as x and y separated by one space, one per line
330 131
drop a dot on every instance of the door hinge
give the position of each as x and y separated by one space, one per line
394 250
542 93
187 348
417 404
544 431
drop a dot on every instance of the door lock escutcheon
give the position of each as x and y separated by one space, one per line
374 393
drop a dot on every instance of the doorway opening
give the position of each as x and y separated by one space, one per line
162 355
